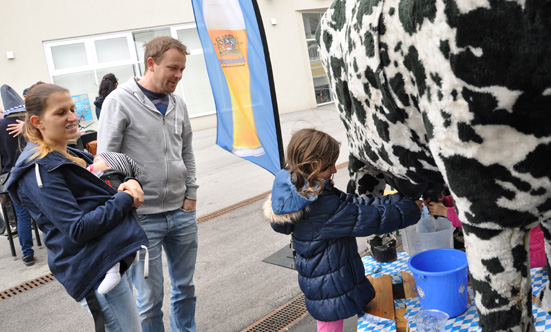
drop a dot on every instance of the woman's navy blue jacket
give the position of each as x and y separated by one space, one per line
330 270
87 225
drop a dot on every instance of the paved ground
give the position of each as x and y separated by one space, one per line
235 288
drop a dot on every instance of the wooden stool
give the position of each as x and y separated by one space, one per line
385 294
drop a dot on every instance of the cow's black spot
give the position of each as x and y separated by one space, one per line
445 48
467 134
454 94
338 19
447 118
490 297
428 126
415 66
484 205
413 13
382 128
520 258
358 109
327 40
397 84
493 265
369 44
537 163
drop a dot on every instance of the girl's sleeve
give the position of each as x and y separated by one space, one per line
451 214
362 217
282 228
57 203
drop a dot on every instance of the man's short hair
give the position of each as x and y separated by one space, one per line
157 47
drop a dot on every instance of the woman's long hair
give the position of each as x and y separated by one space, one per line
310 153
108 84
36 102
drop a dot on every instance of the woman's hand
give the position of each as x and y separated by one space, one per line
437 209
16 129
133 188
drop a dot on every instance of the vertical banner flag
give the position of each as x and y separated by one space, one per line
239 69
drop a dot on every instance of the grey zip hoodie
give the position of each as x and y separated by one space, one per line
161 146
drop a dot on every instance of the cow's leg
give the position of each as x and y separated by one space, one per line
500 277
364 180
543 299
368 182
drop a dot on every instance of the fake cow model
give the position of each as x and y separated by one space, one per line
457 93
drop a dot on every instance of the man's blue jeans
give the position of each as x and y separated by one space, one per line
118 307
176 232
24 229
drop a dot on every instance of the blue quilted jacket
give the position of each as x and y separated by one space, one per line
87 225
330 270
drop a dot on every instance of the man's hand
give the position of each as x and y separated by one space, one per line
135 190
189 204
16 129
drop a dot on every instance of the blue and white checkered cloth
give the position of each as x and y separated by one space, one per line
466 322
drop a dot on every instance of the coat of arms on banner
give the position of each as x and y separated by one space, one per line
228 45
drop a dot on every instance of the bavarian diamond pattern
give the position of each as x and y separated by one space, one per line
466 322
395 268
367 322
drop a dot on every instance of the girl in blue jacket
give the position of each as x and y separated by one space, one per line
88 226
325 222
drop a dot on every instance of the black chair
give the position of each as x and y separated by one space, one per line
8 213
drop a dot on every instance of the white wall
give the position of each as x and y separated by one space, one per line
27 24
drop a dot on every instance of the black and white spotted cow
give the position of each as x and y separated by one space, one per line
456 93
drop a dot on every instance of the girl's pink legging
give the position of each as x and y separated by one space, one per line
335 326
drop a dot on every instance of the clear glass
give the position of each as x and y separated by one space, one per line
69 56
122 73
190 38
113 49
311 22
319 76
142 37
196 86
83 89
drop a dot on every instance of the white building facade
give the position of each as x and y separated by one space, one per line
73 43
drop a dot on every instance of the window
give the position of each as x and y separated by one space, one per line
319 77
80 64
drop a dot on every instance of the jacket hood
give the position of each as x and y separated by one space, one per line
286 204
286 197
99 101
50 162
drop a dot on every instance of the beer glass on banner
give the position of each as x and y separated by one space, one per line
226 27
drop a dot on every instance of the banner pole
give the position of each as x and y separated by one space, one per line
271 81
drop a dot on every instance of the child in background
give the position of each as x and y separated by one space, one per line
537 246
325 222
113 168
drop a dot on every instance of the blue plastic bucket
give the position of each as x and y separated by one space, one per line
441 280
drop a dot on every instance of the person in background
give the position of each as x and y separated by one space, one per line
325 223
108 83
145 120
10 149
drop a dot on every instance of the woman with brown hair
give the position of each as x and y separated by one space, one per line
88 226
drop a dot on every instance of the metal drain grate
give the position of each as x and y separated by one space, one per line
282 318
231 208
31 284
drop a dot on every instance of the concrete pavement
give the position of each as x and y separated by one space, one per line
235 288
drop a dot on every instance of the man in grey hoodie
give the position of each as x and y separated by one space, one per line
146 121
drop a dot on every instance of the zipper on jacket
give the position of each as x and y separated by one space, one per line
166 162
